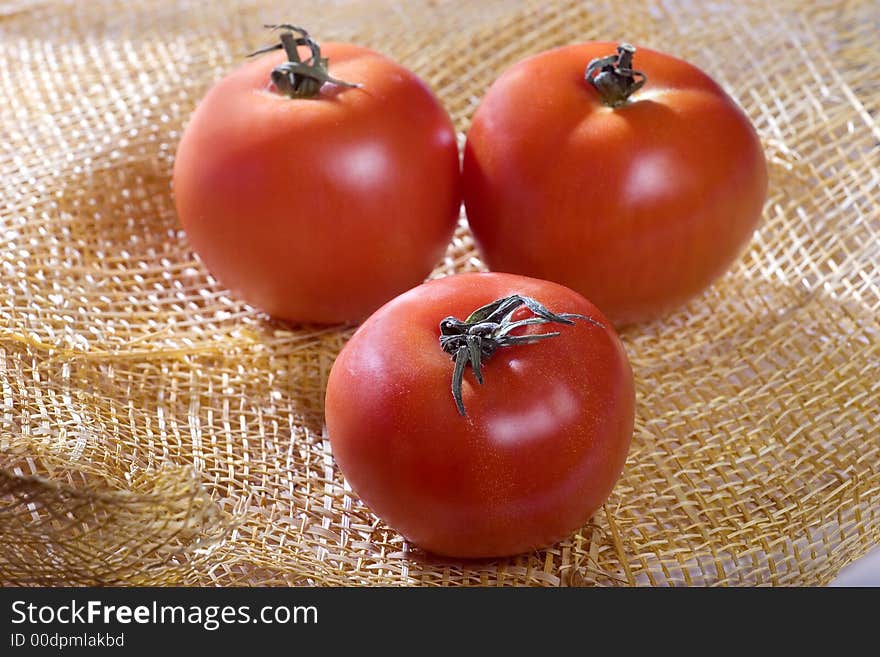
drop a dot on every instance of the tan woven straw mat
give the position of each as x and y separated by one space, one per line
156 430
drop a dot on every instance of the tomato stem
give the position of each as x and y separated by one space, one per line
488 329
613 76
298 78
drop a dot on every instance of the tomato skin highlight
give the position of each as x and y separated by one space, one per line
543 442
638 207
319 209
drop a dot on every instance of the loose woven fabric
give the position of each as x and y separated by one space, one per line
154 429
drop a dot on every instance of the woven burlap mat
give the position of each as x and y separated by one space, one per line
156 430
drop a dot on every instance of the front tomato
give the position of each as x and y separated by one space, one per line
636 193
539 446
321 206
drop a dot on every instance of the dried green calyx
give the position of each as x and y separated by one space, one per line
488 329
299 78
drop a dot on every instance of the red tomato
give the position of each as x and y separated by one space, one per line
541 445
319 209
638 207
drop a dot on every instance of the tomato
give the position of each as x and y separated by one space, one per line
538 447
638 206
321 208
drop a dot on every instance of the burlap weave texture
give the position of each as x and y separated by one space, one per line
154 429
